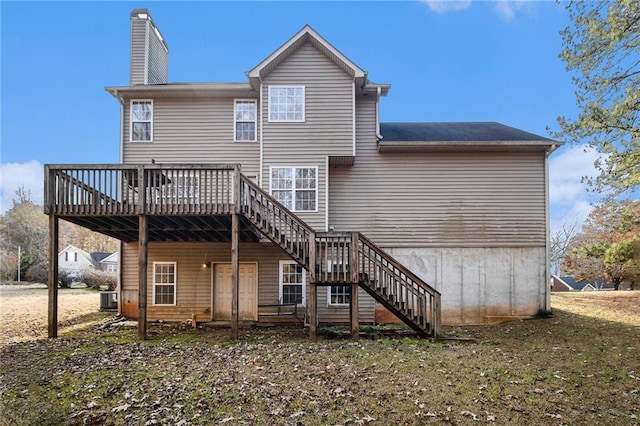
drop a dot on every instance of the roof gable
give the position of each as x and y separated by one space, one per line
73 249
306 34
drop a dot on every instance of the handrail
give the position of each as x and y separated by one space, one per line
276 222
406 294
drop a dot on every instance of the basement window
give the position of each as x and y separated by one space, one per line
292 283
164 283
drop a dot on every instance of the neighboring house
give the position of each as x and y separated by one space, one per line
242 200
74 260
110 263
570 283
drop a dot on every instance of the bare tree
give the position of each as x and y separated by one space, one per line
560 241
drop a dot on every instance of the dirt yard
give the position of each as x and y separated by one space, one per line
23 311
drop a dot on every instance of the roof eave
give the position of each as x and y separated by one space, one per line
388 146
183 90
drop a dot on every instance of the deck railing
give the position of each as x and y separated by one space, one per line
123 189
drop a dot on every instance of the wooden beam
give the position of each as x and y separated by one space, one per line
313 311
354 268
235 274
143 245
53 276
353 311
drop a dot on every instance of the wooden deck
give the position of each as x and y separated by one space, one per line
215 202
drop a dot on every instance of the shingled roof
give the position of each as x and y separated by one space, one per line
455 132
459 136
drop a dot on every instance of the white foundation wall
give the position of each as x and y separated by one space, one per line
482 285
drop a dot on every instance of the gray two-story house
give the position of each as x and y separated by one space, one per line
285 199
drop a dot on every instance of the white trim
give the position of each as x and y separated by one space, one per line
293 189
336 305
286 86
175 283
131 120
255 120
326 194
304 281
353 112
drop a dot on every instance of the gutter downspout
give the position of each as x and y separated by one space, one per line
547 272
120 243
378 95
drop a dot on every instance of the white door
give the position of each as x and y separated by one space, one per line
248 294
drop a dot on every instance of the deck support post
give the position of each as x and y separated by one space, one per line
353 305
313 289
53 276
235 274
313 311
143 245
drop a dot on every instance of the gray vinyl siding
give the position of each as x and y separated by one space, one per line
138 35
438 199
157 59
192 131
194 283
328 125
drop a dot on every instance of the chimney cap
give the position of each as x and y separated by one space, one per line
140 14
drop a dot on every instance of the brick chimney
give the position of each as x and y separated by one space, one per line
149 50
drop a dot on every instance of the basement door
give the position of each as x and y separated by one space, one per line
248 294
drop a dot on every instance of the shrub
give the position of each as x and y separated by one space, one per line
66 277
38 273
101 279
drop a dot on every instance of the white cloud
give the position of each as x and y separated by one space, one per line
507 9
444 6
14 175
568 195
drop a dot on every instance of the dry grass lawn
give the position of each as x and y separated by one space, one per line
581 366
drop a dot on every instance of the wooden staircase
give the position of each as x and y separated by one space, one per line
344 258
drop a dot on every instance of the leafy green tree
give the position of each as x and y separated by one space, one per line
608 245
602 50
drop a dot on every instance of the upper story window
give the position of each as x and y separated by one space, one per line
286 103
295 187
244 120
141 121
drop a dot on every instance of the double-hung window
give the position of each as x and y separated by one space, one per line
292 283
164 283
141 121
286 103
244 120
295 187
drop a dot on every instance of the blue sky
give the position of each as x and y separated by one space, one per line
446 61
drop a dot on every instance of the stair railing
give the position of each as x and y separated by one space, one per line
403 290
276 222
